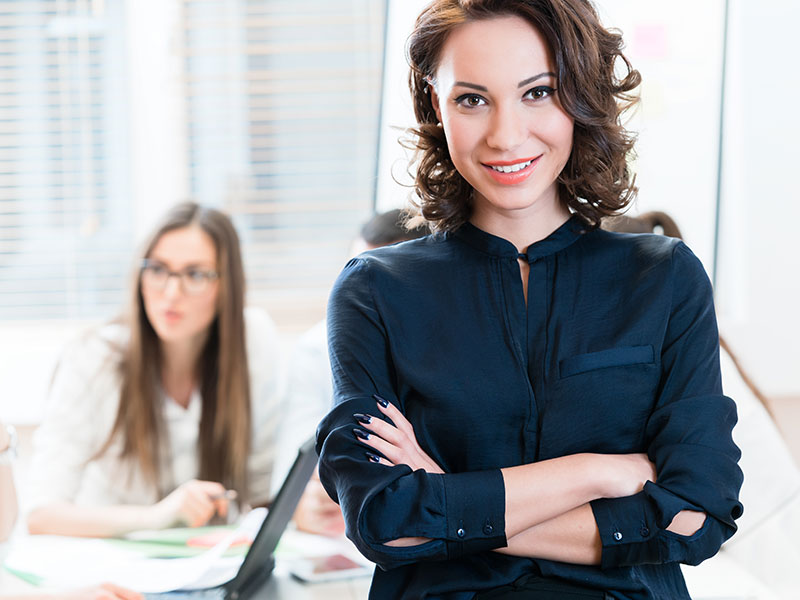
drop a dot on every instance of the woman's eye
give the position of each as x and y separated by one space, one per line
470 100
195 275
540 92
157 270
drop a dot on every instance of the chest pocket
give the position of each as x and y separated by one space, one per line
600 402
613 357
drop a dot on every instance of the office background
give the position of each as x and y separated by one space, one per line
286 115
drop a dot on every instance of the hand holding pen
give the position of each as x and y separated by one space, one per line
194 504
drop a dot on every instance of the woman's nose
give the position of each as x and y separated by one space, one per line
506 129
173 287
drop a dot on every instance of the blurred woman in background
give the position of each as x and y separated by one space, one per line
159 419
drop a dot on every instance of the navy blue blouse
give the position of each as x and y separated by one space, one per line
617 351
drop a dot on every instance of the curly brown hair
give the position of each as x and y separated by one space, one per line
596 181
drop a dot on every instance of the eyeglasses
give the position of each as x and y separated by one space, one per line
156 276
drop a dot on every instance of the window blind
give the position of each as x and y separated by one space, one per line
282 107
65 241
283 101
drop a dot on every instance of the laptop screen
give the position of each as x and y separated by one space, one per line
259 560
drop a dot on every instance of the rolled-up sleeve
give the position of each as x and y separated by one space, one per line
689 441
461 513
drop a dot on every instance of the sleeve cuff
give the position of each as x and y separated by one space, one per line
627 529
475 512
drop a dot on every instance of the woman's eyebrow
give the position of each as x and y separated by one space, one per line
522 83
187 266
525 82
474 86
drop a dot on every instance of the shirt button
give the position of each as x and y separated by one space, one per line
617 535
488 529
644 531
461 533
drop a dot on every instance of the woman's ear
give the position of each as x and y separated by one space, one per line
435 101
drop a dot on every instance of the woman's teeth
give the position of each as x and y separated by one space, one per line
512 168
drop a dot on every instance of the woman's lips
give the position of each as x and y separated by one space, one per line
172 316
513 171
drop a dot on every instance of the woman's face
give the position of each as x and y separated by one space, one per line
178 315
506 131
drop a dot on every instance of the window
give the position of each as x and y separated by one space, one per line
283 108
280 108
65 239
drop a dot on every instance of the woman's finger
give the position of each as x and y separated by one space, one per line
398 418
412 453
394 453
199 509
384 430
377 459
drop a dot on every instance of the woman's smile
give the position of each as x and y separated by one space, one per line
512 172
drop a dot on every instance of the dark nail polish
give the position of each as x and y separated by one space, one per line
373 457
360 433
362 418
381 401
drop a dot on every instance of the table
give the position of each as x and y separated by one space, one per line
281 586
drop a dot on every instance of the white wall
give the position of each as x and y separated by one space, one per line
398 113
759 281
158 116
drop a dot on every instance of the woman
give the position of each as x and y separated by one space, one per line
161 418
549 419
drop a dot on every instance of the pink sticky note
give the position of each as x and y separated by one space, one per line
651 41
212 539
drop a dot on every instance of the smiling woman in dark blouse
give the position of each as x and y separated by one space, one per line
527 406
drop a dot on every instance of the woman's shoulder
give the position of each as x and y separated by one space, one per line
96 347
87 374
655 254
404 260
261 335
653 245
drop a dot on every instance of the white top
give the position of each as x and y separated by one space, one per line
309 395
82 406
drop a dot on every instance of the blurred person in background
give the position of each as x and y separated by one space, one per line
309 390
164 416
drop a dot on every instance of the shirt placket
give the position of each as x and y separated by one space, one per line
518 316
536 344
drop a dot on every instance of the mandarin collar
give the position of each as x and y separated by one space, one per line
487 243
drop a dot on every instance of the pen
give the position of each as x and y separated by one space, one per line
226 495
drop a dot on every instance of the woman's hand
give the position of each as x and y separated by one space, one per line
193 503
397 443
624 474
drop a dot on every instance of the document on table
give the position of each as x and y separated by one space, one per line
60 562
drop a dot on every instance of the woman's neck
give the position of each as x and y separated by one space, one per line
179 368
521 227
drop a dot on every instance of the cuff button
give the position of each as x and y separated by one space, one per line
488 529
644 531
617 536
461 533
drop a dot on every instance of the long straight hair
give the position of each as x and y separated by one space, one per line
222 371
